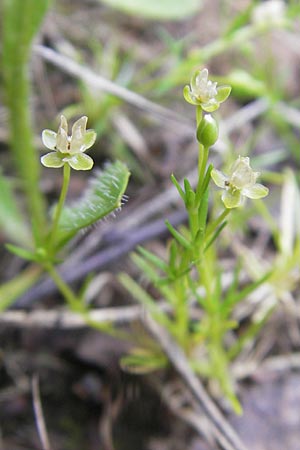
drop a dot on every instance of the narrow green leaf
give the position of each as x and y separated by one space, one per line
181 239
215 235
189 193
155 260
103 196
143 297
154 277
236 297
178 187
22 252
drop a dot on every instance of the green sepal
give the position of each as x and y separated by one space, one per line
211 106
232 199
223 93
53 160
80 161
187 96
103 196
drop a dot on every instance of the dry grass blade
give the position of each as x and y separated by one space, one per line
97 82
38 413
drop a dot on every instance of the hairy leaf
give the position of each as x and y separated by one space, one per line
102 197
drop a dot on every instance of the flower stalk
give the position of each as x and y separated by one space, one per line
60 205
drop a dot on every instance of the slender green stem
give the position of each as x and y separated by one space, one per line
199 115
212 226
67 292
76 305
203 164
60 205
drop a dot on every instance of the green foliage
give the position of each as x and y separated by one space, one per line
157 9
191 272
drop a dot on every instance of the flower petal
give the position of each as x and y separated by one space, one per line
52 159
49 139
79 127
219 178
63 123
196 78
62 141
232 198
243 175
256 191
78 133
80 161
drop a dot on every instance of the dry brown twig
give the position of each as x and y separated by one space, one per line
222 430
38 413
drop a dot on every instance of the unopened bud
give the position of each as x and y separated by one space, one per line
208 131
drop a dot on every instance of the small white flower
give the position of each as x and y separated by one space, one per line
204 92
240 184
69 149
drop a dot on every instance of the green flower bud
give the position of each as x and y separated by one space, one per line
208 131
